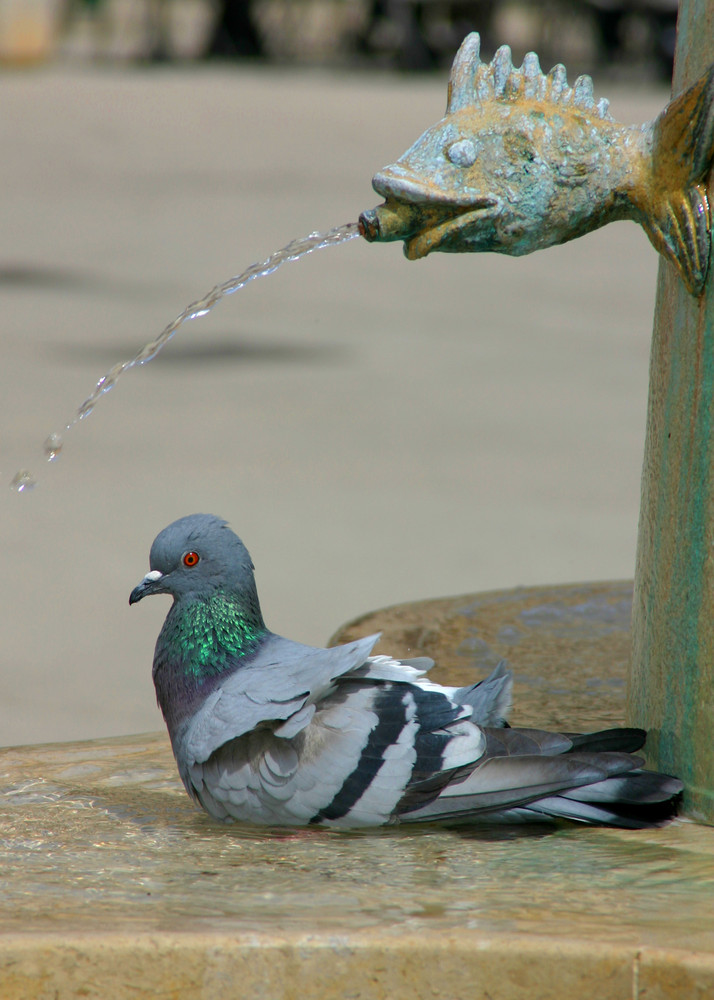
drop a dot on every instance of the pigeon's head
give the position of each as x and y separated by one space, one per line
194 557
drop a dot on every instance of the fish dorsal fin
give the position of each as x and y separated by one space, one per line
467 63
473 82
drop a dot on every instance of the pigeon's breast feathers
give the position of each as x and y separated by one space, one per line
201 643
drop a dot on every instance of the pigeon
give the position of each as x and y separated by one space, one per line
270 731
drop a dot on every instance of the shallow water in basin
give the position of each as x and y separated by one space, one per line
101 834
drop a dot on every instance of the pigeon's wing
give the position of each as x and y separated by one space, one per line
422 734
339 738
277 683
371 742
315 776
348 765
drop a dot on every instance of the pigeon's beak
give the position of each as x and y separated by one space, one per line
151 584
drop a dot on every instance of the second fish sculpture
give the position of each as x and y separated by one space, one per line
523 161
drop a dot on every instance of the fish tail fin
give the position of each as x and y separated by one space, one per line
679 221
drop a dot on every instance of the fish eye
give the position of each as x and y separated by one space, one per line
190 559
462 153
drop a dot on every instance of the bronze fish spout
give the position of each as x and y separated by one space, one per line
523 161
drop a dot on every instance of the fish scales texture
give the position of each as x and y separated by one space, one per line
270 731
523 161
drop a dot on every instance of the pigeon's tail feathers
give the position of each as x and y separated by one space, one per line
541 775
618 740
507 781
633 801
638 788
490 699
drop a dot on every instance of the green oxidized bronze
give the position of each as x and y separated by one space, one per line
523 161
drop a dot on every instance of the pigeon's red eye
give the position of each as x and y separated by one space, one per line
190 558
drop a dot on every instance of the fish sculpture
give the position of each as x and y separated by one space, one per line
523 161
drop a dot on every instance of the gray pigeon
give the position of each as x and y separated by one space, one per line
266 730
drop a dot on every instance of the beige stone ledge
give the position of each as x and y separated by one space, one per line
349 965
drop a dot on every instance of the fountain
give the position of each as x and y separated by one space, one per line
437 914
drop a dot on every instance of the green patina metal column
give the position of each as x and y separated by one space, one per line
671 689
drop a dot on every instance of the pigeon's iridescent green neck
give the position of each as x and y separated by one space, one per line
208 635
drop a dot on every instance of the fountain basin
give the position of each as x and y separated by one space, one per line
113 884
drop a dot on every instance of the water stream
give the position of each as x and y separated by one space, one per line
24 480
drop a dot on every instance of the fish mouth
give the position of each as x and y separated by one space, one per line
446 234
423 216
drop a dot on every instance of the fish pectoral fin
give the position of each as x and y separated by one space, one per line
679 220
680 230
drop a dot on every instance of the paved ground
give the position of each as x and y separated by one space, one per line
377 430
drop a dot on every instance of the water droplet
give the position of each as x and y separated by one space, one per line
53 446
22 480
148 352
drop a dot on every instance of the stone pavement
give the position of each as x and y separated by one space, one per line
377 430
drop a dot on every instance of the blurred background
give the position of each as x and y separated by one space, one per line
377 430
402 34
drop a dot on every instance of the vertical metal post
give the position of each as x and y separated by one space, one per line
671 686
